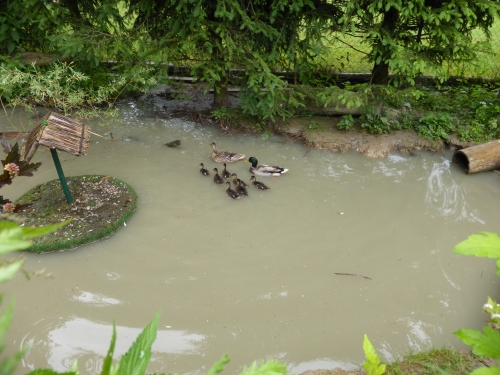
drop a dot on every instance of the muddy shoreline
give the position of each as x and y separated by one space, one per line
193 102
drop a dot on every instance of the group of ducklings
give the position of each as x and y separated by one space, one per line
240 186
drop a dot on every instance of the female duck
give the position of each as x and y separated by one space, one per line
258 185
265 170
231 192
225 156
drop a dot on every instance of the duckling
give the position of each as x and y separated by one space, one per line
203 171
234 176
218 179
258 185
263 169
225 174
225 156
231 192
240 189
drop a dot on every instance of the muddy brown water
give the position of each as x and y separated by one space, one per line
256 277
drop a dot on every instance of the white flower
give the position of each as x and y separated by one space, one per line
495 316
487 306
483 104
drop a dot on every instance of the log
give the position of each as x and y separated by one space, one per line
480 158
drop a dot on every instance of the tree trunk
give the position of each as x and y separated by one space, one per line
380 72
481 158
221 94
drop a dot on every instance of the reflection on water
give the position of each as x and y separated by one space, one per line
84 340
96 299
445 197
255 277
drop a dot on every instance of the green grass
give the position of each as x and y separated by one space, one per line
347 54
425 363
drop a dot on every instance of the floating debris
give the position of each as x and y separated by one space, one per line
173 143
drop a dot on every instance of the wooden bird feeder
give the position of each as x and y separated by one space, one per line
58 132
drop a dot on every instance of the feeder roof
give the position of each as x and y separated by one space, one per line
60 132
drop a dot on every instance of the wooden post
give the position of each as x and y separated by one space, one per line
60 172
481 158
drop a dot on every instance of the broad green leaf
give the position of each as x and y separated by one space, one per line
485 244
218 366
8 365
372 364
106 366
484 345
8 272
486 371
135 361
5 321
29 232
13 237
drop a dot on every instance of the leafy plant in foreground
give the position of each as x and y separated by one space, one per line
372 364
487 344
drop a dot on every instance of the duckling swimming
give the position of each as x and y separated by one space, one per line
204 171
218 179
258 185
231 192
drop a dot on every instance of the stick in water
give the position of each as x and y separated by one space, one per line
351 274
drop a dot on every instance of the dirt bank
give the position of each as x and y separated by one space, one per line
192 103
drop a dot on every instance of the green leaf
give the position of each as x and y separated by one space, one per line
13 237
271 367
487 345
29 232
135 361
485 244
218 366
8 272
372 364
5 321
486 371
106 366
14 35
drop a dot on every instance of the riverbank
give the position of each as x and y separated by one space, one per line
193 103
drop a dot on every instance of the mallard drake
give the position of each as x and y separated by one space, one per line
225 156
240 189
235 178
265 170
203 171
218 179
258 185
225 174
231 192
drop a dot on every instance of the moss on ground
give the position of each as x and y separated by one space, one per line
101 205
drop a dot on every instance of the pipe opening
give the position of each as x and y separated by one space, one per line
462 160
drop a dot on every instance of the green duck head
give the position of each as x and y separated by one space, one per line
253 160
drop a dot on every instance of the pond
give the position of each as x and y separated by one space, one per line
258 277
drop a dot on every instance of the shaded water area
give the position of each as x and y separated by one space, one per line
255 277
